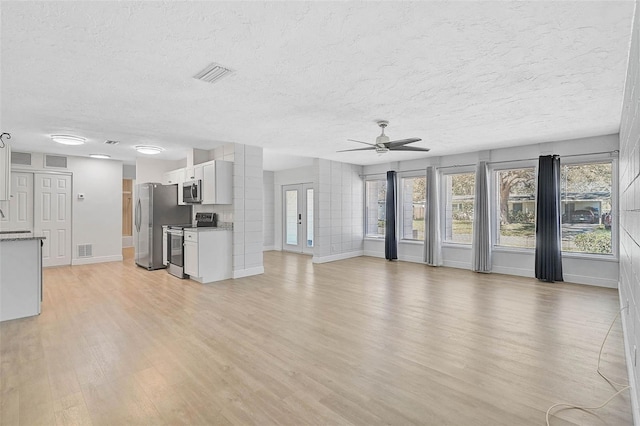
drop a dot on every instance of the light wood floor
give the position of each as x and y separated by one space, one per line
361 341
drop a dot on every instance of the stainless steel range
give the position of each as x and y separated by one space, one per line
175 250
175 242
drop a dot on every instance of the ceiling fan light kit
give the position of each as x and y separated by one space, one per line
383 144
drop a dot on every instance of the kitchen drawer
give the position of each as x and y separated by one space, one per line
191 236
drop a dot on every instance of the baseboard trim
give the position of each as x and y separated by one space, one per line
373 254
597 282
127 242
412 259
101 259
519 272
241 273
456 264
334 257
268 248
635 410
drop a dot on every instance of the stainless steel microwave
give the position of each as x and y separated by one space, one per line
192 191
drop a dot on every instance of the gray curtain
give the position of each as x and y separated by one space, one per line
481 221
390 242
432 220
548 230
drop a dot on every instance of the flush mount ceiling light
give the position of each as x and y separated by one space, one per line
68 139
102 156
149 149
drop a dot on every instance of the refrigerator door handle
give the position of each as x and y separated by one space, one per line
138 217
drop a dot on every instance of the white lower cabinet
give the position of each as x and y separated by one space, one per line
207 254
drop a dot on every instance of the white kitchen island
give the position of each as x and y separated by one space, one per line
20 275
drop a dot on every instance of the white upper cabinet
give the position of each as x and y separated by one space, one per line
5 172
217 182
194 173
173 177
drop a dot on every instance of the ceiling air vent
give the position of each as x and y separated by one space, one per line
212 73
111 142
55 161
21 158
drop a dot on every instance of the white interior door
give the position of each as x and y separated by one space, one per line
298 218
17 212
52 217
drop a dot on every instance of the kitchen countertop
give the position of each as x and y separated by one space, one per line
210 228
21 236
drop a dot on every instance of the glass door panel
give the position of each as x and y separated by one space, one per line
291 216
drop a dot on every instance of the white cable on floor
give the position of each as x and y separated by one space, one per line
624 387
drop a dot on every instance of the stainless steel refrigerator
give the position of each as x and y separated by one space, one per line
156 205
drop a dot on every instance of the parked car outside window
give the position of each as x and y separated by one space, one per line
583 216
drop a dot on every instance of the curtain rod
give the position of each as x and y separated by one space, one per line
615 151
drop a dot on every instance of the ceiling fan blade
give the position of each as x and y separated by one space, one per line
357 149
401 142
366 143
408 148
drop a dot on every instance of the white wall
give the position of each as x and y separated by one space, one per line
575 269
151 170
630 212
247 211
268 209
339 215
97 219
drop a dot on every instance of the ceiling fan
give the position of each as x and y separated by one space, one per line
383 144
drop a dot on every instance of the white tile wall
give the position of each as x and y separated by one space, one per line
629 206
339 212
268 212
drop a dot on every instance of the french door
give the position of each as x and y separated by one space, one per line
298 218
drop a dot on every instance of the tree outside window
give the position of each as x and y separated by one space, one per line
458 218
413 207
517 207
375 205
586 208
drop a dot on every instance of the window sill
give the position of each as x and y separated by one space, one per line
371 238
412 242
590 256
506 249
450 244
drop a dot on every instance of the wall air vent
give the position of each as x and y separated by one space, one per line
21 158
111 142
212 73
85 250
55 161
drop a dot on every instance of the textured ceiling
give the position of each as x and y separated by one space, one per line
463 76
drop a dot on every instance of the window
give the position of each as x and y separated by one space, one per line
375 205
413 207
586 208
459 190
516 209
